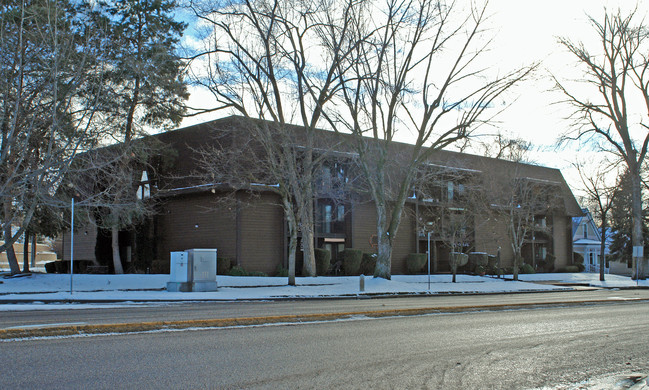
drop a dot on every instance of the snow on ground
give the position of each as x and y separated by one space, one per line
152 288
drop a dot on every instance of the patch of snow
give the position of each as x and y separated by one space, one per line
130 288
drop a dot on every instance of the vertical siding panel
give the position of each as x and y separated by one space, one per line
363 226
84 243
404 242
562 240
262 228
196 221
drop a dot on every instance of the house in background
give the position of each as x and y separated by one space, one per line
252 232
586 241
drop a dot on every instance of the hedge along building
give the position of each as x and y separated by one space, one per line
248 225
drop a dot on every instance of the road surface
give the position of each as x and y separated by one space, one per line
512 349
109 314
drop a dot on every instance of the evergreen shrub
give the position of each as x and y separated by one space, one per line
352 261
238 271
415 262
477 259
527 269
50 267
61 267
160 267
223 265
322 261
281 272
368 263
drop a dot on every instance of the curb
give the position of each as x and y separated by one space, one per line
293 297
125 328
277 298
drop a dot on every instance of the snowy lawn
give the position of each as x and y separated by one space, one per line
135 287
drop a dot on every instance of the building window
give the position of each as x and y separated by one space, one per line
591 258
585 231
450 187
144 189
331 217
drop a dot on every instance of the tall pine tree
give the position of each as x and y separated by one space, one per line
146 90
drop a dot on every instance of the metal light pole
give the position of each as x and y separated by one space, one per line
72 246
429 261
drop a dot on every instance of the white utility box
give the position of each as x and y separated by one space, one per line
192 270
179 267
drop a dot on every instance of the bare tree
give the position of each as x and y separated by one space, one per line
108 188
50 76
278 61
503 147
612 105
600 196
416 69
449 201
524 205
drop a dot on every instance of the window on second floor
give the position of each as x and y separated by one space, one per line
330 217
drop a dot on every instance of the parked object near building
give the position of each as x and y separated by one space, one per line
250 230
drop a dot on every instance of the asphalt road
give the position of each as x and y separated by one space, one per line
109 314
510 349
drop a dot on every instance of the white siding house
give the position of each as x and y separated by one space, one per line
586 239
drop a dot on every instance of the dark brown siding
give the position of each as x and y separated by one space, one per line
84 243
196 221
363 226
491 234
404 243
561 234
262 228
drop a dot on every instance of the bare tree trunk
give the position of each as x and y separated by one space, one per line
11 254
117 261
387 223
309 252
517 262
453 259
33 254
384 258
636 237
26 252
292 249
292 241
308 242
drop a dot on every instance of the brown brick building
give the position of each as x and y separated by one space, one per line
251 231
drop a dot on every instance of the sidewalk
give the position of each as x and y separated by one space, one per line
152 288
